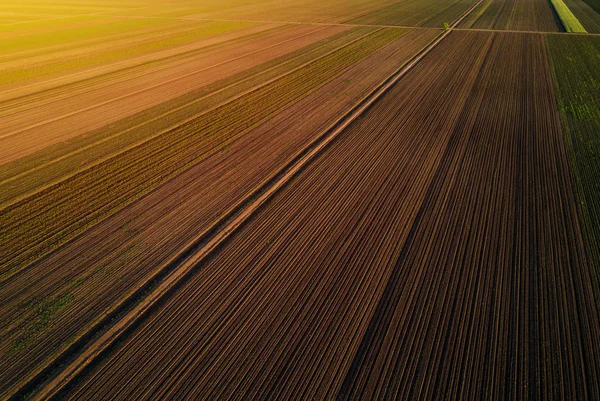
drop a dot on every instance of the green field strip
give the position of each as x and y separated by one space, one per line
37 225
575 61
60 160
568 19
204 31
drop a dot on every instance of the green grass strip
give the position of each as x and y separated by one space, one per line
568 19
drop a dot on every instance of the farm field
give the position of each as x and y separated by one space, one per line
577 84
299 199
518 15
587 16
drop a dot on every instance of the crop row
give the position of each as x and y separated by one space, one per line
36 225
575 63
420 255
80 152
521 15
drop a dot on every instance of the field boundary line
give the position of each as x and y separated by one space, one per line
79 150
83 354
368 25
162 83
164 131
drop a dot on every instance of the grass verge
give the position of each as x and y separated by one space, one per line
568 19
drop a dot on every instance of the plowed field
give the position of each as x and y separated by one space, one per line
300 199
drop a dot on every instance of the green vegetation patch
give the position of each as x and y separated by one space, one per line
40 316
575 61
568 19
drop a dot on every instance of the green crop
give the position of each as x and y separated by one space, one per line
568 19
575 61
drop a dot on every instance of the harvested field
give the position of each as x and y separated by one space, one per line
299 199
288 296
516 15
